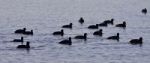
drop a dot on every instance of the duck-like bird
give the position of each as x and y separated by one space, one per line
99 32
114 37
67 26
81 20
27 46
20 31
103 24
66 42
123 25
59 32
109 21
28 32
144 11
93 26
18 40
136 41
81 36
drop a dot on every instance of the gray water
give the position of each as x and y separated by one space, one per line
47 16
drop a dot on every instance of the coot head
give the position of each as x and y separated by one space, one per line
112 21
70 23
62 31
21 38
69 38
124 22
85 34
24 29
100 30
140 39
118 34
97 25
28 44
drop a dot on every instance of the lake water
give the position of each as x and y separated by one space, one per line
47 16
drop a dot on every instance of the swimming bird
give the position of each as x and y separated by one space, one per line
81 20
103 24
24 46
93 26
20 30
81 36
67 26
114 37
59 32
136 41
18 40
144 11
28 32
66 42
109 21
99 32
123 25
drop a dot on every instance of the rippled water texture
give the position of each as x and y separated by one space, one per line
47 16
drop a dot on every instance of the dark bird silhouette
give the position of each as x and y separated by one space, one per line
66 42
20 31
81 20
123 25
103 24
109 21
144 11
59 32
114 37
99 32
67 26
136 41
81 36
28 32
24 46
18 40
93 26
